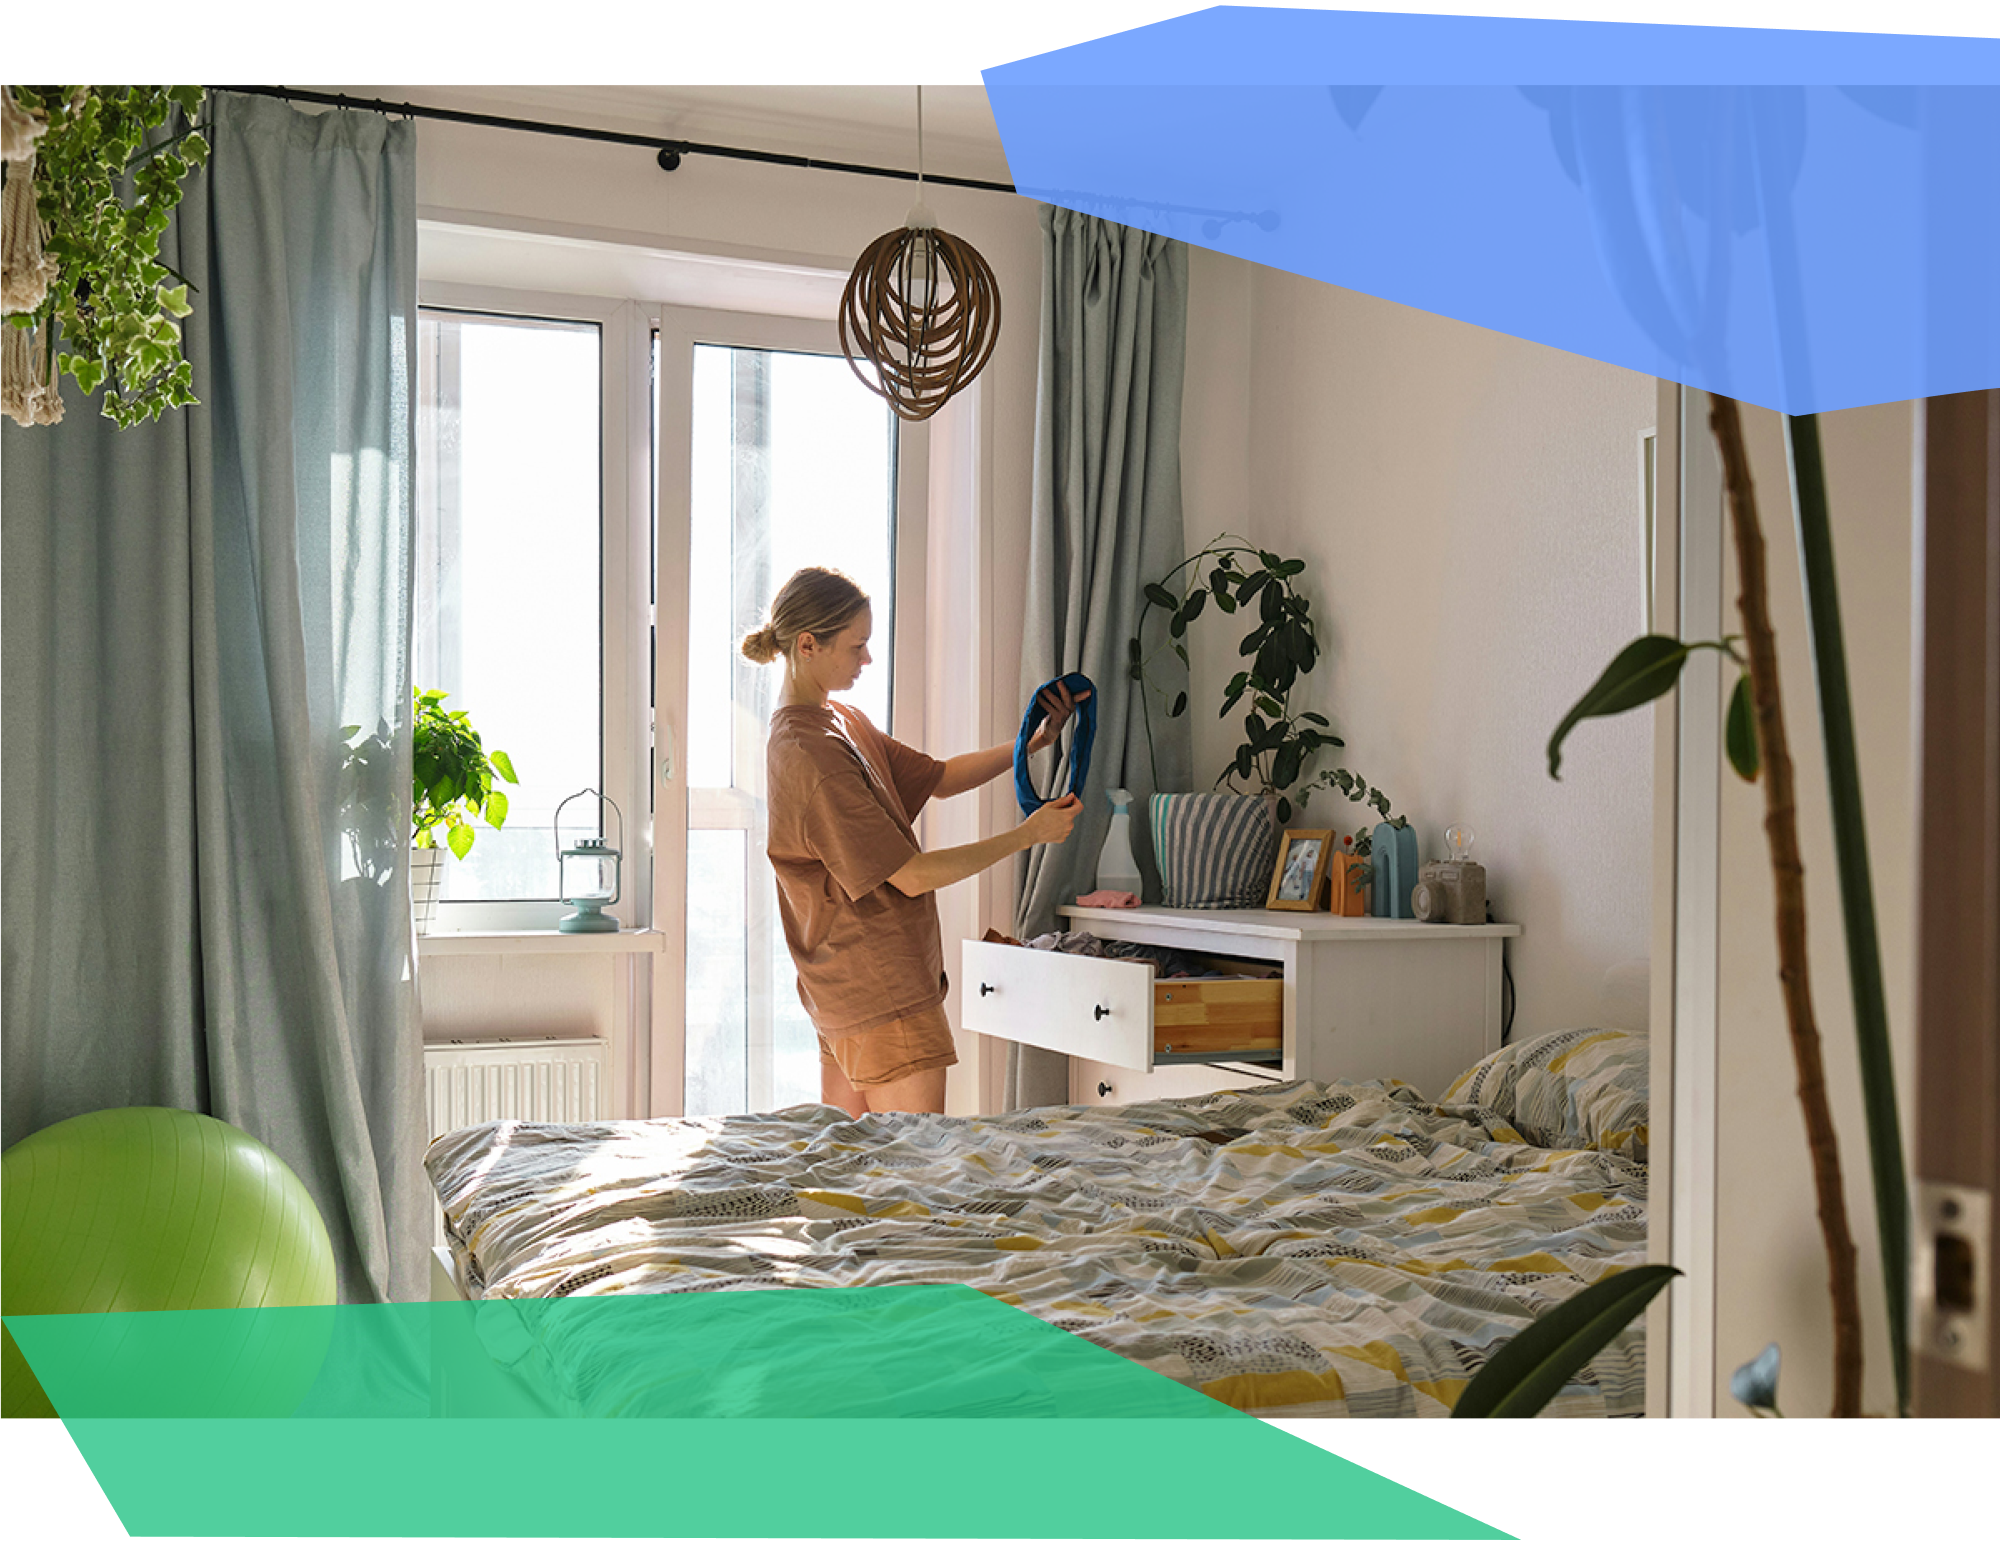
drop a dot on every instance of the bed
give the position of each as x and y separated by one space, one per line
1290 1249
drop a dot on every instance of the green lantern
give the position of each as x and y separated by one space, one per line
592 873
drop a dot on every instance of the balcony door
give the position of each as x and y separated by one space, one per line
772 456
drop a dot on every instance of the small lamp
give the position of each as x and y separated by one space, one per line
591 873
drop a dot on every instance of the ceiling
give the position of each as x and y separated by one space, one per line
875 125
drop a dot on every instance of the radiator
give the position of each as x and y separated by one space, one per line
466 1082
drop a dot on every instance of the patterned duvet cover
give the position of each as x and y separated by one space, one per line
1291 1249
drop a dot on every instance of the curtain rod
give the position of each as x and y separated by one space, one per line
669 152
673 151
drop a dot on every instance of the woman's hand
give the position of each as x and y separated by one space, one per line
930 870
1058 705
1052 821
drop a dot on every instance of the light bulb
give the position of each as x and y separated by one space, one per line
1458 841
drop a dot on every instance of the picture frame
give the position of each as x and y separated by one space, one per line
1298 880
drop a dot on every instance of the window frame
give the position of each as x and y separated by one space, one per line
624 610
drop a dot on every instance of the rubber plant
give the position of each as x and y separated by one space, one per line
1757 748
454 779
104 305
1277 744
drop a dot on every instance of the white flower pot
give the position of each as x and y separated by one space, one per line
426 869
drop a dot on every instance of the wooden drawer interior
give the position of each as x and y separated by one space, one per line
1201 1018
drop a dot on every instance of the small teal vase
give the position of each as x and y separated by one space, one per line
1393 854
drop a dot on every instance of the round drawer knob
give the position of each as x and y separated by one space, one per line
1100 1011
984 989
1103 1089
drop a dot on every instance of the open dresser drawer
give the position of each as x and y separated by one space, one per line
1115 1011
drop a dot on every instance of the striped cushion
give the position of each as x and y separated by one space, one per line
1215 849
1575 1089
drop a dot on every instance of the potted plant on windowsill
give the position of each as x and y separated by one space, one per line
1217 848
454 781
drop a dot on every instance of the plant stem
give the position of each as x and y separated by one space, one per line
1146 719
1857 900
1788 877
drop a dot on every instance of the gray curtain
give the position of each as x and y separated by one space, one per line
1106 519
206 884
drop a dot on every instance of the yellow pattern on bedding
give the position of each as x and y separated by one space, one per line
1292 1249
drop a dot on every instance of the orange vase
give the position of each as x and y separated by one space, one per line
1348 894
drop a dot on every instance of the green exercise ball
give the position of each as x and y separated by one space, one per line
149 1209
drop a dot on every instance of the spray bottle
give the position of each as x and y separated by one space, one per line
1116 867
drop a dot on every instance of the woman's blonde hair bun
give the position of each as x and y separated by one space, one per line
815 601
761 645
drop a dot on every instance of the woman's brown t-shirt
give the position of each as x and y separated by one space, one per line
842 799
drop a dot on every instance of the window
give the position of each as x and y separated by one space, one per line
794 463
608 494
780 458
520 581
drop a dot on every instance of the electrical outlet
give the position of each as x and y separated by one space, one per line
1954 1274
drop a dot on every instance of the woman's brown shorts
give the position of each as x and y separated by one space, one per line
870 1058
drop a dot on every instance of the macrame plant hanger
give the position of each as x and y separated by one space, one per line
921 309
27 389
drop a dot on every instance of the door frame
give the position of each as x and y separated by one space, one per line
1688 545
1955 1357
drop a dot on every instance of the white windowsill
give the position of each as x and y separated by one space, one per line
640 940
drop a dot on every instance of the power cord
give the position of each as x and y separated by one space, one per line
1506 987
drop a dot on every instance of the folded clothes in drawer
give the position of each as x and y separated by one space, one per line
1173 964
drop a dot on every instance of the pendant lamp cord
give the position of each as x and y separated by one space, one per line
920 143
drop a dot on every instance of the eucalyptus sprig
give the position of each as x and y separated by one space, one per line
1356 789
105 197
1277 744
453 776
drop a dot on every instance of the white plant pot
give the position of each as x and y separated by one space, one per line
426 869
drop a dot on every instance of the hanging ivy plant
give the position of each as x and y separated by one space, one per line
105 194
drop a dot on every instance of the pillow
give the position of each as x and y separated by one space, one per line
1576 1089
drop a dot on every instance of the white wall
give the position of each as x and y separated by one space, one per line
1771 1267
1470 512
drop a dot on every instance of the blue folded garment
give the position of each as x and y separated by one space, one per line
1079 758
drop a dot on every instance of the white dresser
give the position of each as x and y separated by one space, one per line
1363 998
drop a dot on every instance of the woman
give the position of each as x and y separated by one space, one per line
856 895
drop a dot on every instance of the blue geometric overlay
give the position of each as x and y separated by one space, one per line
1804 221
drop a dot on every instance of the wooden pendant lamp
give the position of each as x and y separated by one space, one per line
922 310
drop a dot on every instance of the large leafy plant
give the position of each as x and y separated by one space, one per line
1277 745
455 779
105 193
1754 737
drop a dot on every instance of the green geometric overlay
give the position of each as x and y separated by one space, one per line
888 1352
